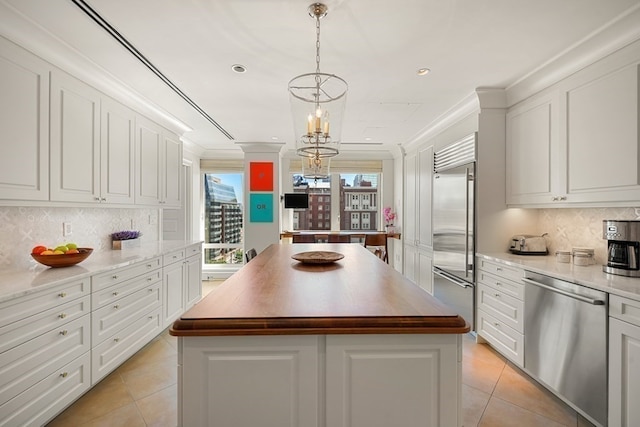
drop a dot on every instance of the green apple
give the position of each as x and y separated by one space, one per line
71 246
61 248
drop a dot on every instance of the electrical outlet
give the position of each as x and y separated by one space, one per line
153 219
133 224
66 229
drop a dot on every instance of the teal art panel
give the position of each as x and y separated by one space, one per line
260 207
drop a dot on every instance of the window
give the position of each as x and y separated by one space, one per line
340 195
223 218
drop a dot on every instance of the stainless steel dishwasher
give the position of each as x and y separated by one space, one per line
565 344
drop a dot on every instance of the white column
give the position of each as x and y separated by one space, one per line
259 235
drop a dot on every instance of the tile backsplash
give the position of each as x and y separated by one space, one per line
568 228
22 228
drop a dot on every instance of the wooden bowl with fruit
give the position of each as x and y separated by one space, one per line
62 256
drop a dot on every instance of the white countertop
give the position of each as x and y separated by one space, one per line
15 283
591 275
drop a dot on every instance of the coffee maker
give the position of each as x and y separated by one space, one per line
623 238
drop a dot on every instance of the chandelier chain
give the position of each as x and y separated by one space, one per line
318 53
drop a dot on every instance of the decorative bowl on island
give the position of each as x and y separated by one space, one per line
63 260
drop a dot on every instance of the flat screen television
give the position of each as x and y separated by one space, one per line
296 200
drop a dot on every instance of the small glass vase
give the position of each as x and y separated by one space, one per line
390 229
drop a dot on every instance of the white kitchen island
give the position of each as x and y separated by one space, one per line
350 343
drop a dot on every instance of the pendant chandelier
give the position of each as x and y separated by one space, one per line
317 104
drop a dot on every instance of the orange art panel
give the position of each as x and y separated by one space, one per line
260 176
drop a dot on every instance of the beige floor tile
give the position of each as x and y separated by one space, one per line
127 416
516 387
161 408
110 394
500 413
471 349
474 403
156 351
152 377
481 374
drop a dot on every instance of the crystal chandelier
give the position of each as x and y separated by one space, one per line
317 104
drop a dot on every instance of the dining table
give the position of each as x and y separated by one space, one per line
319 335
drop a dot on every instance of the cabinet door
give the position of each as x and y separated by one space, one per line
393 380
424 184
410 263
602 137
409 221
171 176
117 142
24 154
425 262
193 280
624 374
531 148
148 162
75 140
173 293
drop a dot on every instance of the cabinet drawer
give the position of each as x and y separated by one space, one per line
100 281
109 319
501 270
506 340
23 307
40 403
174 256
27 364
23 330
509 287
193 250
624 309
109 354
113 293
502 306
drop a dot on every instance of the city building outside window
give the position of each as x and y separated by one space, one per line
223 218
356 193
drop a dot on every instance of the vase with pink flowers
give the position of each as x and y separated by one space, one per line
389 216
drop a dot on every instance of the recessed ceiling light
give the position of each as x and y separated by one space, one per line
239 68
423 71
274 138
368 138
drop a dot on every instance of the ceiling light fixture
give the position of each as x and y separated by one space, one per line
317 104
239 68
423 71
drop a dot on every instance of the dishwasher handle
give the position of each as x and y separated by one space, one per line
563 292
451 278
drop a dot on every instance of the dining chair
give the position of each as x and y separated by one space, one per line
378 242
303 238
250 254
339 238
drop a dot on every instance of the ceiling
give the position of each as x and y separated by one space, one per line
377 47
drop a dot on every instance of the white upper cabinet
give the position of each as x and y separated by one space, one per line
578 142
532 152
410 226
159 161
148 162
602 136
75 140
117 147
425 184
24 148
172 167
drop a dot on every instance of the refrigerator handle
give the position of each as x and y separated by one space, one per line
466 226
450 278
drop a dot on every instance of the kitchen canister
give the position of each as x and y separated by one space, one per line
583 256
563 256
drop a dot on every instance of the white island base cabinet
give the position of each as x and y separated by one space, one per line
320 380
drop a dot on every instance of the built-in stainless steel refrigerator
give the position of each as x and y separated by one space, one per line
453 227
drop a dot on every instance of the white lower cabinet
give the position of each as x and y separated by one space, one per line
182 283
500 308
624 362
320 380
418 267
57 343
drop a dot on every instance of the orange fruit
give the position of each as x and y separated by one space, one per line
38 250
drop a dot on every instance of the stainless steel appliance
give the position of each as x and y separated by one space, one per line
526 244
453 227
623 240
565 342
